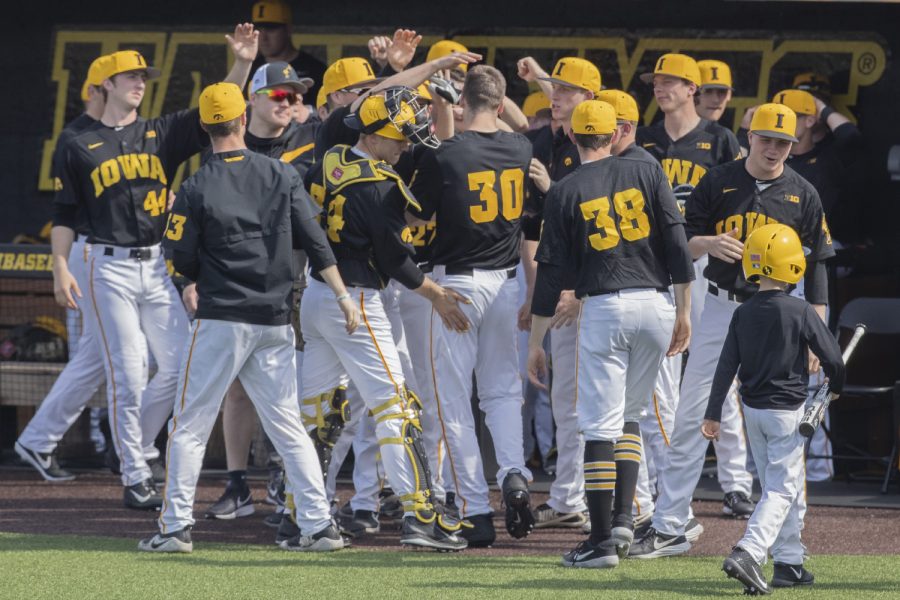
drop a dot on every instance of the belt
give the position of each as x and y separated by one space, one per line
661 290
133 253
468 271
723 293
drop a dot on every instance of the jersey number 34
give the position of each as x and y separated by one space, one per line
633 222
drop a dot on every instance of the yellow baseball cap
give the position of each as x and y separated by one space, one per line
594 117
128 60
221 102
775 121
375 119
321 98
675 65
443 48
346 73
272 11
576 72
95 76
811 80
535 102
802 103
625 105
714 74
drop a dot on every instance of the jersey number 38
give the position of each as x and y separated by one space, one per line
633 222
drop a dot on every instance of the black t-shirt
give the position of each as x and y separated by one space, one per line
295 145
557 152
730 198
474 185
120 176
334 132
306 65
767 347
688 159
615 223
232 229
57 164
364 202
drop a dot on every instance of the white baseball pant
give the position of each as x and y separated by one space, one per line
567 488
262 357
489 349
130 297
777 448
80 378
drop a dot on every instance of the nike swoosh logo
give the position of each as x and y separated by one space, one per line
141 498
153 544
95 145
581 556
797 573
726 190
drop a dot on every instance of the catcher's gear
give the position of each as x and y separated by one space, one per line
332 414
397 115
42 340
444 89
774 251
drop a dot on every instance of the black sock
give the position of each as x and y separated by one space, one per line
599 484
237 480
628 461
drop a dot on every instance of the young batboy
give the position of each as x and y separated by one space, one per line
767 346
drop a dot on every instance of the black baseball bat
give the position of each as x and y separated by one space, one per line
816 409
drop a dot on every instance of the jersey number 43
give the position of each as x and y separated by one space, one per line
633 222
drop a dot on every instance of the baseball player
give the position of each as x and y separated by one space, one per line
537 110
83 374
729 203
573 81
687 146
231 230
473 186
364 202
768 344
117 172
715 89
616 221
274 90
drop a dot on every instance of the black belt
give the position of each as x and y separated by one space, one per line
722 292
468 271
135 253
661 290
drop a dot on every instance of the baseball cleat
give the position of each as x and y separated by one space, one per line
482 533
363 522
430 536
656 545
592 556
692 530
274 520
738 505
45 464
233 504
142 496
287 529
622 538
790 575
178 542
325 540
519 518
157 470
275 487
546 517
741 566
391 506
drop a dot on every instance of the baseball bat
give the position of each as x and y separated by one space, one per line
816 409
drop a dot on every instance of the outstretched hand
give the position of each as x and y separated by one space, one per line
245 42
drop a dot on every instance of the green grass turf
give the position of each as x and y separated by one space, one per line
56 567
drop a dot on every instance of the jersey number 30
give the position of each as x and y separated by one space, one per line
633 221
511 192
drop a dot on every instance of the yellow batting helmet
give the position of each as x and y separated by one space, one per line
774 251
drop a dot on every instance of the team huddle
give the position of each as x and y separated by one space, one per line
354 272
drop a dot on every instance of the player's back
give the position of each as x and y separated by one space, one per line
474 185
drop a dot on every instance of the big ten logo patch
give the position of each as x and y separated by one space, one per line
190 60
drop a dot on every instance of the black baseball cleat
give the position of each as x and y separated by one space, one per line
741 566
622 535
430 536
324 540
655 545
45 464
275 487
589 555
482 533
738 505
391 506
234 503
363 522
274 519
142 496
790 575
157 470
287 529
178 541
519 518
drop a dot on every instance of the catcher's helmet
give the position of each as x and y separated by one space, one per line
397 115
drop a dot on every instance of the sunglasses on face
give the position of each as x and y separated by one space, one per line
279 95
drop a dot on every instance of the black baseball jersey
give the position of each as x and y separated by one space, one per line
474 186
364 203
560 155
306 65
120 177
688 159
334 132
767 347
637 153
614 222
232 229
730 198
57 163
294 146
